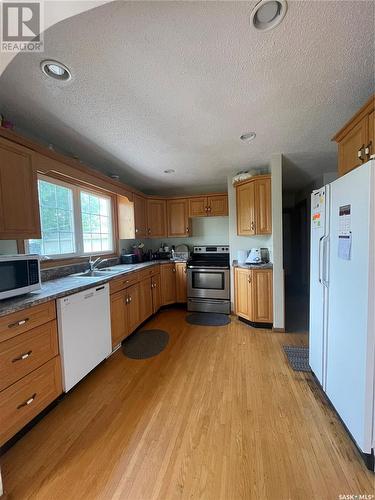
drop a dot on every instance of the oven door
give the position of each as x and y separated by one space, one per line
208 283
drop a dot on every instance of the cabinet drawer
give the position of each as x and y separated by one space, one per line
26 319
120 283
148 272
24 353
22 401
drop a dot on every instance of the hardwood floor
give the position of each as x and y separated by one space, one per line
218 415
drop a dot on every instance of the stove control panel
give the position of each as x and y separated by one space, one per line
213 249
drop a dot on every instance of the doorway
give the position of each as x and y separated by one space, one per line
296 242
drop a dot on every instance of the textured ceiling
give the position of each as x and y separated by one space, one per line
160 85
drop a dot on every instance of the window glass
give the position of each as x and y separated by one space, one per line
96 223
57 220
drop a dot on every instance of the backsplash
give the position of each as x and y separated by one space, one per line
59 272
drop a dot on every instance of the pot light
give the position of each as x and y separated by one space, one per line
267 14
169 171
250 136
55 70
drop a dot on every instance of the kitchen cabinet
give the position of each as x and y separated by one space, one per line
133 307
208 206
30 366
181 282
168 284
157 218
253 294
178 218
156 293
140 216
119 318
145 304
19 206
356 141
254 206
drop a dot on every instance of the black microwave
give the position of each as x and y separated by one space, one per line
19 274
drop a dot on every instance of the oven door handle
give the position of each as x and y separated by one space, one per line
208 269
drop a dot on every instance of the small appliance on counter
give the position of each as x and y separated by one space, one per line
258 256
128 258
20 274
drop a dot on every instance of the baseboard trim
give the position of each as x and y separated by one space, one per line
278 330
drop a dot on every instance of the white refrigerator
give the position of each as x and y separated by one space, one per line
342 300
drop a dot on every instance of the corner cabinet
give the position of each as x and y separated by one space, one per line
356 140
168 284
254 206
19 207
253 294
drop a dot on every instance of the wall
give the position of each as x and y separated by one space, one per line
205 230
8 247
277 242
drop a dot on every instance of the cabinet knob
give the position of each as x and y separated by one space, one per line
368 149
18 323
252 226
27 402
21 357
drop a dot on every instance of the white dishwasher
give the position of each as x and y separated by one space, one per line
84 325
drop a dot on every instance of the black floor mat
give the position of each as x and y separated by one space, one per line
145 344
298 357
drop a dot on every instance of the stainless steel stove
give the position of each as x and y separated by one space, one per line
208 276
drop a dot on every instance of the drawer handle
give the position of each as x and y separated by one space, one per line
22 356
19 323
27 402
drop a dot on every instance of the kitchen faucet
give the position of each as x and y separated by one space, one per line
93 264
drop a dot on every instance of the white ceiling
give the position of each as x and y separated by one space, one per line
159 85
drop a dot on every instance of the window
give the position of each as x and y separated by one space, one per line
74 221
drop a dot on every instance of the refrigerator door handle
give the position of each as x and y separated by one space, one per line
325 241
320 277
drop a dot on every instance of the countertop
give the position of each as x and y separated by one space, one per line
68 285
269 265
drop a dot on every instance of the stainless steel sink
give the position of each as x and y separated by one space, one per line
98 273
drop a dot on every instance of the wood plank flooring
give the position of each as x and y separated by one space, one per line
218 415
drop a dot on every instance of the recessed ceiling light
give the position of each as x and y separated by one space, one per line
250 136
267 14
55 70
169 171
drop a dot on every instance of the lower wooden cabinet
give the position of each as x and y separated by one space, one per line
181 282
145 304
25 399
119 319
156 293
253 294
168 283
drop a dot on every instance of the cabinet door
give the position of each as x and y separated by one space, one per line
119 318
178 218
245 199
140 217
371 132
242 288
145 303
157 218
156 293
181 285
133 307
263 204
350 145
217 205
19 207
198 206
168 284
262 296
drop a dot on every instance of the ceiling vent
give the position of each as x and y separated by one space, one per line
267 14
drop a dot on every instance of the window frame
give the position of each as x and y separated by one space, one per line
80 255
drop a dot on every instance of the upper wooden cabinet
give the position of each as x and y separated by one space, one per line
156 218
19 207
208 206
140 216
254 206
178 218
253 294
356 140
